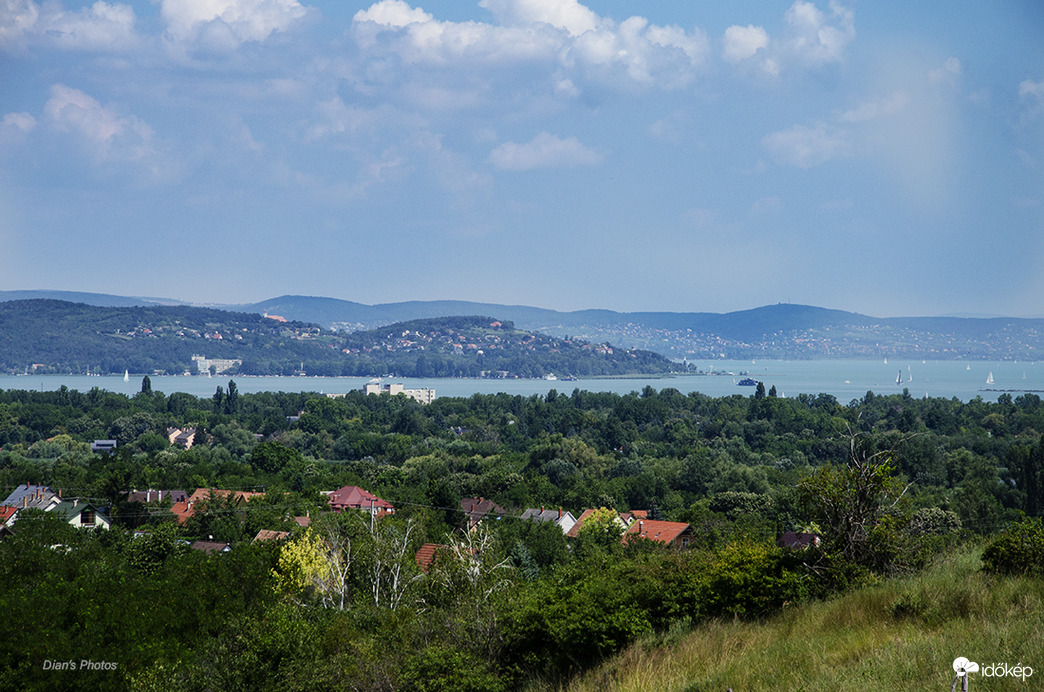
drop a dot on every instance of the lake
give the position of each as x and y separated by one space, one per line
844 379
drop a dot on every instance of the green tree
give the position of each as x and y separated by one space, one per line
857 506
146 385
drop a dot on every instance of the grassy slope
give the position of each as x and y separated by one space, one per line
902 634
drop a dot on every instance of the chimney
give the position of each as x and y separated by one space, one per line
559 512
59 493
641 527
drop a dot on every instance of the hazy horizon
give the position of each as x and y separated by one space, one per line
885 159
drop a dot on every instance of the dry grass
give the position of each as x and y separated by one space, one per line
902 634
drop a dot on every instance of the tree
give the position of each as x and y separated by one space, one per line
146 385
232 400
856 505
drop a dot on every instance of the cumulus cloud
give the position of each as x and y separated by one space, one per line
817 37
742 42
102 26
562 14
543 151
228 22
555 32
101 128
806 147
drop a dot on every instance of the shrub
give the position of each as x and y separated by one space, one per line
1019 550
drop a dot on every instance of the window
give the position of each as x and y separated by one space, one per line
87 517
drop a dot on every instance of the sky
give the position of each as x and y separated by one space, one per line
881 157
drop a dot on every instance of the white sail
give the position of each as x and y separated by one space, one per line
989 378
126 376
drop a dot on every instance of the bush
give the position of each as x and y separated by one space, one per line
1019 550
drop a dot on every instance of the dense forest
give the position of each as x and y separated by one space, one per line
886 482
50 336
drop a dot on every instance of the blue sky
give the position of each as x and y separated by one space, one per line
880 157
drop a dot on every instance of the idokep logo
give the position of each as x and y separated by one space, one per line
962 667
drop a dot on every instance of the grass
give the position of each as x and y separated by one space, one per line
901 634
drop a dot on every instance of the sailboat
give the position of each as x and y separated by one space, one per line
989 378
126 376
899 378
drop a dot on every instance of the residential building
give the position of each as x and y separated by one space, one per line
82 515
150 495
423 395
478 508
103 446
184 510
183 438
563 520
620 521
796 540
269 535
354 497
28 496
673 533
220 365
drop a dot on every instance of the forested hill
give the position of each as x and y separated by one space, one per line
52 336
487 347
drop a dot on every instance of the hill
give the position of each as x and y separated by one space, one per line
774 331
902 634
59 336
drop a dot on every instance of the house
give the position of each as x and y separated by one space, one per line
354 497
796 540
183 438
184 510
620 520
150 495
428 552
7 517
268 535
478 508
82 515
27 496
210 547
563 520
673 533
422 395
103 446
305 521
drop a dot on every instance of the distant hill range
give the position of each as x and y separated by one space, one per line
53 336
774 331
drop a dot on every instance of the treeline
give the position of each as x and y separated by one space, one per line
885 481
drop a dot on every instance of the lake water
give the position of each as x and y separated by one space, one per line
844 379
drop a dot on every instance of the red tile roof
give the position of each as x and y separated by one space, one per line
354 497
660 531
428 551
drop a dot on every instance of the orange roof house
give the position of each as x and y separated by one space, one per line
184 510
673 533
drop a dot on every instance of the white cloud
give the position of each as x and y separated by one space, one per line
102 26
815 37
23 122
1032 90
228 22
949 72
872 110
565 34
806 147
109 134
543 151
742 42
561 14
